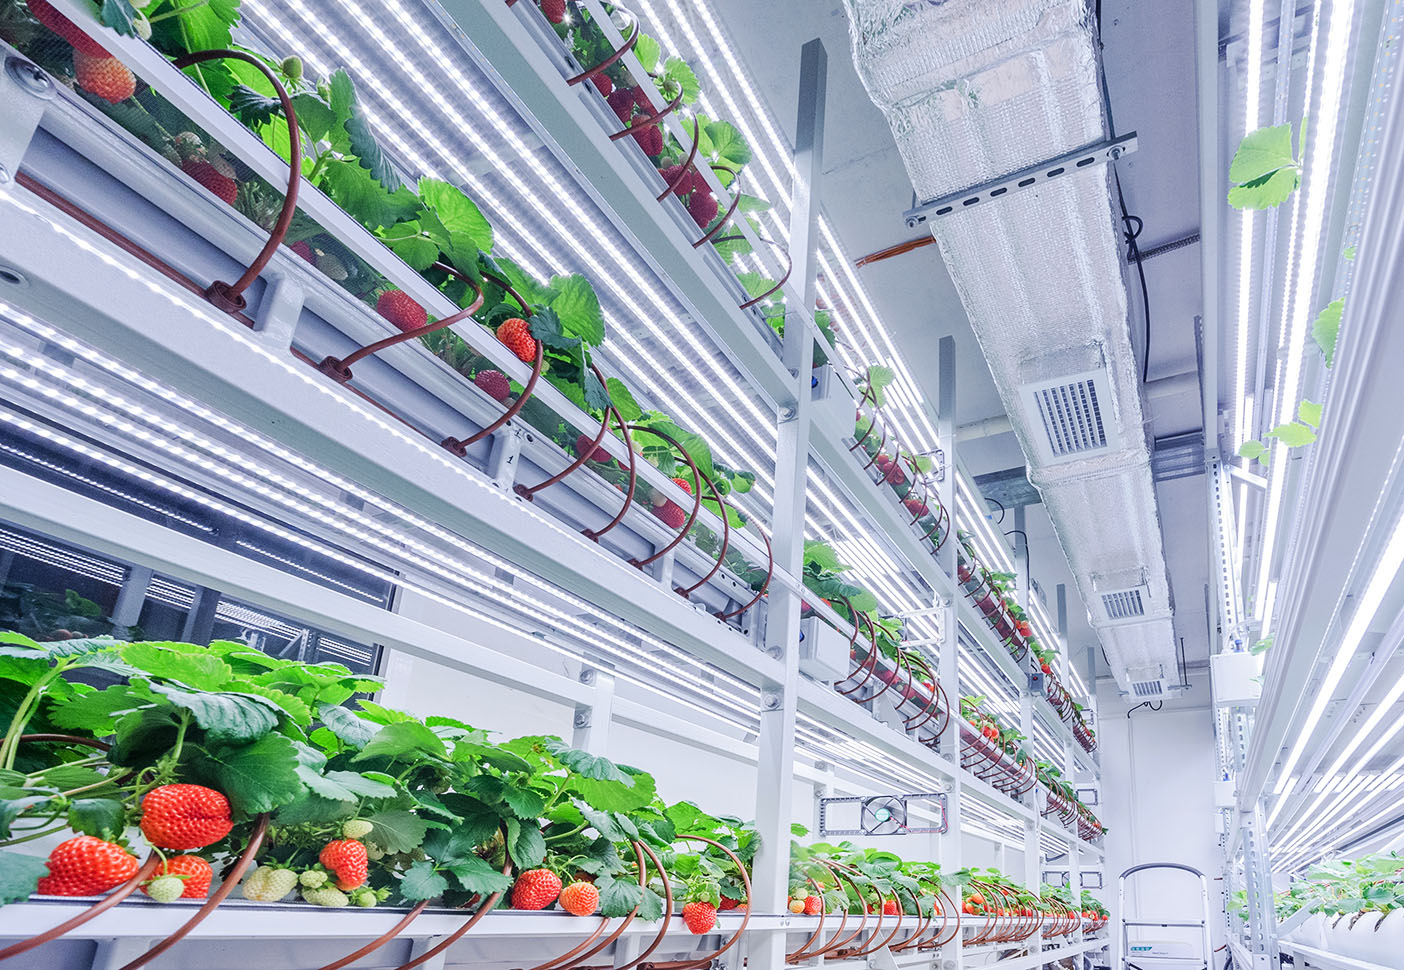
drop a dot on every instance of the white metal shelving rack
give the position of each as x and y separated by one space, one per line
116 309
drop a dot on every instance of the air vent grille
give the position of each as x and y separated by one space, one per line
1123 604
1072 418
1148 688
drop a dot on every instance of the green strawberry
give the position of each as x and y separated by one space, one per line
268 884
313 878
165 889
366 898
326 896
356 828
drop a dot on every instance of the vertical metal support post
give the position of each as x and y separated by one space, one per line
949 845
1023 595
199 622
130 599
1069 759
592 721
775 776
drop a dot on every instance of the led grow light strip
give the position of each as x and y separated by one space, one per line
1252 112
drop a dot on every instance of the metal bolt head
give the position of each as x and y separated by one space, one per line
1116 151
29 76
582 719
770 700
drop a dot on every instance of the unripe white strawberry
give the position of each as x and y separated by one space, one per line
356 828
326 896
313 878
268 884
165 889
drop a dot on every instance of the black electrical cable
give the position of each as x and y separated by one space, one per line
1002 509
1184 667
1028 556
1133 251
1141 705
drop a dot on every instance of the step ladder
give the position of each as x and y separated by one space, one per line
1145 954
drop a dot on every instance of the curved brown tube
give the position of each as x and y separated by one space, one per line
562 962
594 534
785 277
725 542
528 492
667 912
648 121
380 940
696 498
769 573
339 368
839 940
459 446
614 58
745 919
147 870
230 297
872 661
730 210
468 924
217 897
686 168
798 954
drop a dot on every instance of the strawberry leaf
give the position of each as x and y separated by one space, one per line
314 115
252 107
225 716
397 830
192 665
19 876
104 818
421 882
727 144
677 71
352 187
121 16
257 777
350 729
618 897
1262 152
459 214
623 399
525 843
647 50
578 307
408 241
1327 328
1309 413
476 876
1265 191
1293 434
1252 450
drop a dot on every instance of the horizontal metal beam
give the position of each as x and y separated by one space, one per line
1088 156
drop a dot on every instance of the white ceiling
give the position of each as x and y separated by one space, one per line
1149 58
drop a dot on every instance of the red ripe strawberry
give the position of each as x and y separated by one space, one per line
621 102
917 507
494 384
516 334
183 817
555 10
536 889
671 513
346 858
890 907
580 899
703 208
104 76
85 866
1045 668
650 139
45 13
699 917
583 444
729 903
602 84
402 310
813 905
304 249
211 179
685 182
197 872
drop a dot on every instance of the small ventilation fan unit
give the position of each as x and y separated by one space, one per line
876 815
1068 400
1148 683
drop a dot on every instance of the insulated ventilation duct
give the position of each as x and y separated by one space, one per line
976 90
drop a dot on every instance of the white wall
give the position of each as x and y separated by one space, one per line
1158 769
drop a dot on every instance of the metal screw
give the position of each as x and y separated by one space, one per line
1116 151
28 75
770 700
582 719
587 676
775 652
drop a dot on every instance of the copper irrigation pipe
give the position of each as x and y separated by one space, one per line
230 297
924 921
936 941
730 210
594 534
745 919
696 497
339 368
614 58
835 943
686 168
896 250
667 912
686 592
769 573
871 661
648 121
794 956
129 247
564 961
468 924
459 446
147 870
780 284
218 896
381 940
528 492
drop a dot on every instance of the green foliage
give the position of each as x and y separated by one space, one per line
1264 169
1327 327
